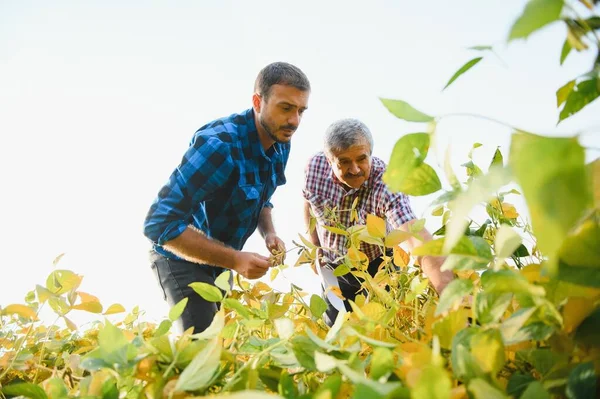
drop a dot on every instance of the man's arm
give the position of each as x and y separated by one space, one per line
431 265
204 167
192 245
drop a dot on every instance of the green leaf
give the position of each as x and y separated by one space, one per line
324 363
582 382
62 281
405 111
56 388
578 275
490 307
550 170
222 281
581 95
406 172
214 329
26 389
163 328
581 248
497 159
464 365
507 242
433 382
483 390
199 373
537 14
317 305
588 333
341 270
470 64
535 390
382 363
113 345
518 383
563 93
453 294
234 304
209 292
564 52
304 349
480 189
513 324
480 48
285 328
509 281
178 309
422 180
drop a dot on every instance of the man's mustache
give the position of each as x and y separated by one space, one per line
289 127
351 175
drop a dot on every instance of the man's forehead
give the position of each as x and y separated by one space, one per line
354 151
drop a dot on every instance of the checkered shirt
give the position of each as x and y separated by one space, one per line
222 183
324 191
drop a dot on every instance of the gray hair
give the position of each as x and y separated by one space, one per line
345 133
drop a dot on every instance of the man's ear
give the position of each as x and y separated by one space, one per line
256 102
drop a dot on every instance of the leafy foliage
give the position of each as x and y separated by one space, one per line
519 320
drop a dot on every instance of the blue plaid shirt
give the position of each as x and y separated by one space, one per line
224 180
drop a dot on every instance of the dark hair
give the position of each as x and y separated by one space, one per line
280 73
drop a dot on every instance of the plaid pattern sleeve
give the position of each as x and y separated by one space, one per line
398 210
205 166
221 185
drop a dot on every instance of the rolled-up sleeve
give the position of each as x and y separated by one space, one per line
205 167
397 209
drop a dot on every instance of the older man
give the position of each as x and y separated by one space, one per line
344 172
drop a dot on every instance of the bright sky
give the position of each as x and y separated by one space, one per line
99 100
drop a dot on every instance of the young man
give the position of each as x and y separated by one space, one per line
220 193
346 171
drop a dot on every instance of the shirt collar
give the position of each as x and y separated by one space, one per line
273 152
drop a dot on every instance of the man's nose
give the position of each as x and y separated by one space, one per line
294 119
354 169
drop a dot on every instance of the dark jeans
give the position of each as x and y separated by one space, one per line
174 277
349 285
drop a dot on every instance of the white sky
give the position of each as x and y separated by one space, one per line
99 99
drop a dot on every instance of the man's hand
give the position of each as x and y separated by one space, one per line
277 249
251 265
431 266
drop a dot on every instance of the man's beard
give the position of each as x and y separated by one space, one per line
270 131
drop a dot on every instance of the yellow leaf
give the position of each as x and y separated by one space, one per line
85 297
373 310
533 274
336 230
92 307
509 211
21 310
396 237
401 257
274 273
115 308
356 256
72 326
336 291
575 311
376 226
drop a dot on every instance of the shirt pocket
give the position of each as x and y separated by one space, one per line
246 201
